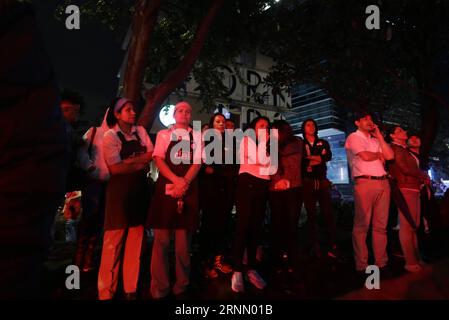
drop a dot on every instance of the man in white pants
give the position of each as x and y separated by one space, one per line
367 152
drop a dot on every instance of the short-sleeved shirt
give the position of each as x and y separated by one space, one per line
112 143
164 138
356 143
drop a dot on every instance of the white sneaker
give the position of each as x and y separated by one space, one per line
413 268
255 278
237 282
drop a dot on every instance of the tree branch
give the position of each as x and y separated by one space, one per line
155 96
145 18
424 92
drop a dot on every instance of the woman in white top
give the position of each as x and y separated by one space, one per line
251 199
91 160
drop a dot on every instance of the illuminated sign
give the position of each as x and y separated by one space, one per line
166 115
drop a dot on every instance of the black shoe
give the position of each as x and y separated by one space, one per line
131 296
293 275
315 251
78 260
360 278
295 283
185 295
89 257
386 273
335 253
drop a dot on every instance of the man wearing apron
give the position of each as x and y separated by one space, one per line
175 208
127 150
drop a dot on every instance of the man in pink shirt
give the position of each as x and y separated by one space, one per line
367 152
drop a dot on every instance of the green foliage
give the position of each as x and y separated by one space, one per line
234 30
113 14
326 43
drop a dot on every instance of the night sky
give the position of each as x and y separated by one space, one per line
85 60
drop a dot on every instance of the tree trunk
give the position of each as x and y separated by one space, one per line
155 96
145 18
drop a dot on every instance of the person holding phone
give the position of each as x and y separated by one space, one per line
367 152
127 151
174 210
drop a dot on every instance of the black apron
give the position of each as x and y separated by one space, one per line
127 195
163 213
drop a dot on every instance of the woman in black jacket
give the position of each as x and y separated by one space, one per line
215 190
286 197
317 188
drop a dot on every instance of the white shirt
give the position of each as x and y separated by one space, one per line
112 143
254 159
96 156
164 138
356 143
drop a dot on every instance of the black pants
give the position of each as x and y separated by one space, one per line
26 220
285 210
93 202
319 191
230 186
92 219
251 202
216 193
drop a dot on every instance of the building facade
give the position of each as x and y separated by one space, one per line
248 96
310 101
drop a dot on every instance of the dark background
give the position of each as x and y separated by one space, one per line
86 60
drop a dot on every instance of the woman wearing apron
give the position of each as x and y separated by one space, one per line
175 209
127 151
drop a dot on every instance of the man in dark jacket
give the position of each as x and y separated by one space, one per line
409 178
33 151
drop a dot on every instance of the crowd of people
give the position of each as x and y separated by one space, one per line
379 170
117 206
188 196
197 191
